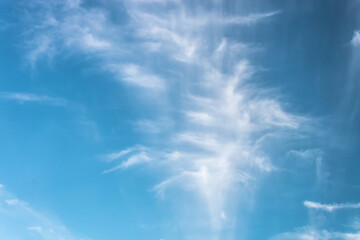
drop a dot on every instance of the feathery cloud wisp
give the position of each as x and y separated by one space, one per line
28 97
331 207
135 75
215 154
223 115
21 221
134 156
307 233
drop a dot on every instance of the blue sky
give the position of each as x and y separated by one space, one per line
179 120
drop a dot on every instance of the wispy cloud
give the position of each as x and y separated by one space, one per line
63 25
306 153
60 26
15 202
351 101
355 41
215 153
129 157
136 75
148 126
21 221
29 97
113 156
252 18
308 233
135 159
331 207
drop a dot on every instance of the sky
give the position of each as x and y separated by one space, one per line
179 120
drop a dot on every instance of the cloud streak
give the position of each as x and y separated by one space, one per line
129 157
29 97
308 233
19 220
331 207
135 75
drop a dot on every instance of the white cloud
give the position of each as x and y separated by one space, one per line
356 224
67 26
199 117
29 97
135 159
138 76
135 155
308 233
223 115
355 41
19 220
154 126
36 229
331 207
147 126
40 46
350 91
179 33
15 202
250 19
223 216
214 153
306 153
117 155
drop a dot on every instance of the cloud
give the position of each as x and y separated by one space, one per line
36 229
19 220
148 126
351 103
117 155
134 156
179 33
59 26
40 46
15 202
29 97
308 233
213 155
355 41
217 151
306 153
252 18
153 126
136 75
141 157
331 207
199 118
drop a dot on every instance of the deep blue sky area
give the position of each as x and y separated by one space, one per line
179 120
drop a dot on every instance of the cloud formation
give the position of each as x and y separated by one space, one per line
307 233
29 97
135 75
19 220
331 207
355 41
216 152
